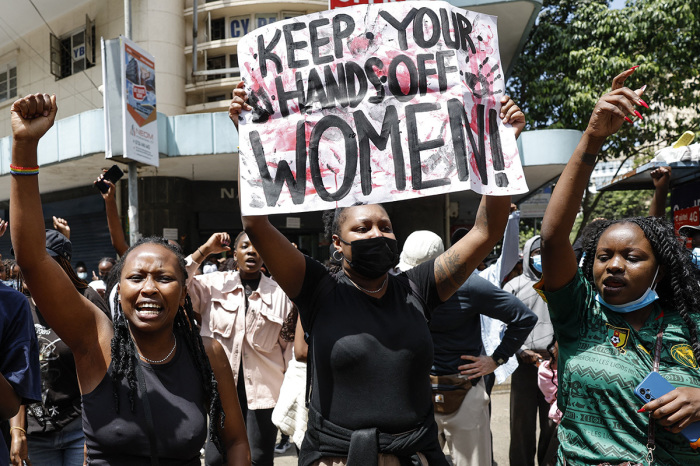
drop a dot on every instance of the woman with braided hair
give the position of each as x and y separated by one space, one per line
149 380
632 308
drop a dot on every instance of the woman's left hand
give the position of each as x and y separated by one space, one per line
511 113
677 409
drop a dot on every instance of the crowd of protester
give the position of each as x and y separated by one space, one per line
376 357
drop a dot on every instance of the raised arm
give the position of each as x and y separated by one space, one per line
116 233
456 264
558 259
662 179
282 259
78 322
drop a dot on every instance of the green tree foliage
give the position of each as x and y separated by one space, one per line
578 46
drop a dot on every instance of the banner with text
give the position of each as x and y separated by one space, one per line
373 103
140 117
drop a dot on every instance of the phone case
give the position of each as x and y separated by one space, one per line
114 174
654 386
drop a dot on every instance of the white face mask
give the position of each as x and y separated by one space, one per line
647 298
82 275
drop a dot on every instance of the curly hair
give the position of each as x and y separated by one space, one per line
125 355
680 287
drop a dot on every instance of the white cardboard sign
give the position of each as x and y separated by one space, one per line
373 103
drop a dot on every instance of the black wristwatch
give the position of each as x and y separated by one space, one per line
499 360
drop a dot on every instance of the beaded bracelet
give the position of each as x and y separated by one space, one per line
15 170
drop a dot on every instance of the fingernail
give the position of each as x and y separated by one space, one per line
639 115
633 68
628 120
643 88
641 410
644 104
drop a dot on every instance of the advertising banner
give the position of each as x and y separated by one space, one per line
139 104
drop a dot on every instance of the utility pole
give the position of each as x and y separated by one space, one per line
133 212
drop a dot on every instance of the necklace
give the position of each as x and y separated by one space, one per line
160 360
370 291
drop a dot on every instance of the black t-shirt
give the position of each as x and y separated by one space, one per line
178 404
371 357
59 380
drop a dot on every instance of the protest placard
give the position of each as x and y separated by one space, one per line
373 103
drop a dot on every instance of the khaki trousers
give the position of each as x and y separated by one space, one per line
467 431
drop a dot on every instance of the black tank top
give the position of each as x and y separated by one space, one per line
178 405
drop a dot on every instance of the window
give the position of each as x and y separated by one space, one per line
216 98
8 82
233 63
218 29
216 63
74 52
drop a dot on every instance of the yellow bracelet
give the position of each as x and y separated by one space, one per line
18 428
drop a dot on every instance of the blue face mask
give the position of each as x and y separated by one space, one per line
647 298
696 257
537 263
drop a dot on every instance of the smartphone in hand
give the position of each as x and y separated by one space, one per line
655 386
114 174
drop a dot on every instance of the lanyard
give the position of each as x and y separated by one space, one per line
651 437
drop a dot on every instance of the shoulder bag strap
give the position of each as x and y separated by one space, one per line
150 430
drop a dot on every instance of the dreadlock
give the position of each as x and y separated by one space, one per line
679 288
125 356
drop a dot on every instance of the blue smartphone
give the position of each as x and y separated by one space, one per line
655 386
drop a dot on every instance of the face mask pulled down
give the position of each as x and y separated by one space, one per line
647 298
373 257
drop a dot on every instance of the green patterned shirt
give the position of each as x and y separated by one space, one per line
601 360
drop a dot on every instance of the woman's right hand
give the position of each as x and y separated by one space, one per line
32 116
217 243
612 110
239 103
109 195
18 448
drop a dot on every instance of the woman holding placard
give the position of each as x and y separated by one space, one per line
370 348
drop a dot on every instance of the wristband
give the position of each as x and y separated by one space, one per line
18 428
17 170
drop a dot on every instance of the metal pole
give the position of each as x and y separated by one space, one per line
194 36
133 212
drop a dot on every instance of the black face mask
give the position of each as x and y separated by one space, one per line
373 257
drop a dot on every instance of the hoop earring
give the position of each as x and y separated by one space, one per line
337 259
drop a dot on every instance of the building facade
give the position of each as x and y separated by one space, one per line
194 189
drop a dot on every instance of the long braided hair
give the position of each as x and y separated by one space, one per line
125 356
680 287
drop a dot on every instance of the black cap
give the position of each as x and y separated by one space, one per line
58 245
